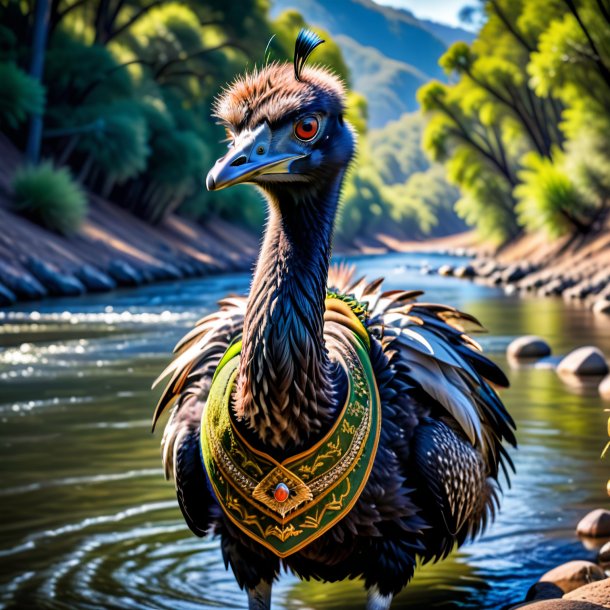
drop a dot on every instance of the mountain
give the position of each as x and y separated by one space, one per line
389 52
388 84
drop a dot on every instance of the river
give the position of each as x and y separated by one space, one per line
88 521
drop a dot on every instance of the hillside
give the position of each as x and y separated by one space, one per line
389 85
389 52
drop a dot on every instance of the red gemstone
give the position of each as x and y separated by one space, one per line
281 492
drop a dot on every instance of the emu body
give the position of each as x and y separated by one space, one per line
434 479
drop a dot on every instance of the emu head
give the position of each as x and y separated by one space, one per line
284 125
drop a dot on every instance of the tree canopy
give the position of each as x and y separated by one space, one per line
519 130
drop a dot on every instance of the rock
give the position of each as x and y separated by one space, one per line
165 271
601 307
94 279
573 574
465 271
543 590
495 279
58 283
596 524
528 346
604 388
603 556
559 604
584 361
124 273
7 297
21 283
486 268
595 593
513 273
445 270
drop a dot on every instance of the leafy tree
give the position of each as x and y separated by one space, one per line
521 122
20 96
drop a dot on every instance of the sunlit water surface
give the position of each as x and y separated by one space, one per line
87 520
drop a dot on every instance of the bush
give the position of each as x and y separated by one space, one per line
50 197
549 199
20 95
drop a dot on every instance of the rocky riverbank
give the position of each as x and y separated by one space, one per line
112 248
577 269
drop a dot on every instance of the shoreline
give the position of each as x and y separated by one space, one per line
114 249
573 268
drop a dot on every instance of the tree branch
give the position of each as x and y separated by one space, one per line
597 58
511 28
176 60
133 19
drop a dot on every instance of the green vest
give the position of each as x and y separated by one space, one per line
286 505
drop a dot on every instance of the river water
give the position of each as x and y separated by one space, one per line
87 520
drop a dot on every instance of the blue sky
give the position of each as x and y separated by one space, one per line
443 11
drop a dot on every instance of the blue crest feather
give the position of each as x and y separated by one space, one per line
306 42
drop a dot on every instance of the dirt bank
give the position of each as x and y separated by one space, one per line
112 249
576 268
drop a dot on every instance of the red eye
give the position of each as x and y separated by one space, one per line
307 128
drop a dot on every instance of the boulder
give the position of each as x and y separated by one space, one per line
513 273
601 307
528 346
587 360
573 574
559 604
58 283
596 524
486 268
603 556
94 279
21 283
604 387
445 270
465 271
543 590
124 273
596 593
7 297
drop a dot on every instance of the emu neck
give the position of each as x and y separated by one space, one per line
285 390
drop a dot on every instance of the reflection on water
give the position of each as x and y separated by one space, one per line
87 520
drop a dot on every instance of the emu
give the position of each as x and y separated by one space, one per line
321 423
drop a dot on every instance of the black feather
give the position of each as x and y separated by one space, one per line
306 42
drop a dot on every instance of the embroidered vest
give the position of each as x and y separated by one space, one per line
286 505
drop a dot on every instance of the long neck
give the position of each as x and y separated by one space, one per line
285 390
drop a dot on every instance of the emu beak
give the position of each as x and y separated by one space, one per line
251 156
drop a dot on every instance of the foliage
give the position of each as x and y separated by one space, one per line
420 198
130 84
50 197
548 197
424 205
20 95
397 151
517 130
129 87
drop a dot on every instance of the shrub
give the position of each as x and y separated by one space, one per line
548 197
20 95
50 197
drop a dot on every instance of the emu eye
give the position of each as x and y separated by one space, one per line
306 128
